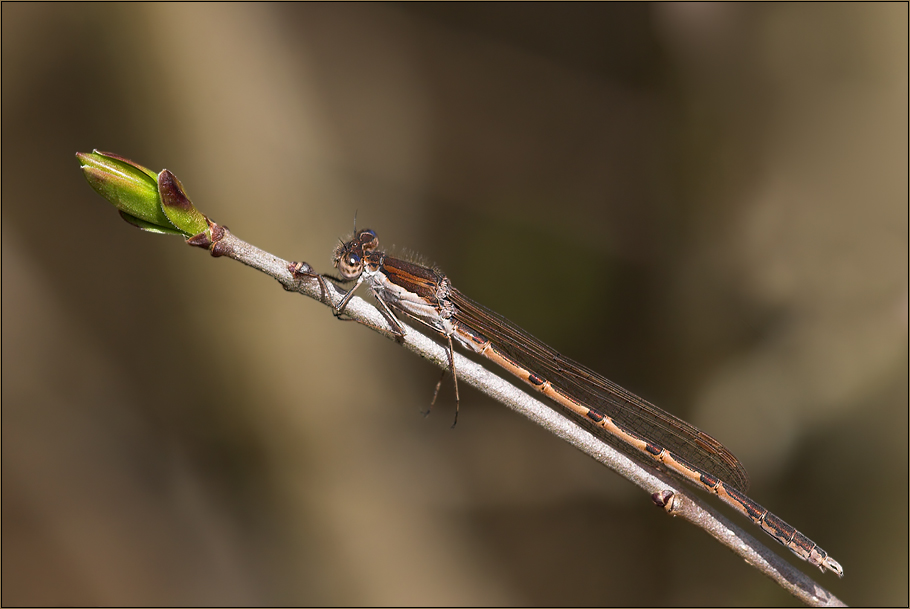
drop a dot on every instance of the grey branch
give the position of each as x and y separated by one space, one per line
683 502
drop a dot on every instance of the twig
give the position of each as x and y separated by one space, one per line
677 499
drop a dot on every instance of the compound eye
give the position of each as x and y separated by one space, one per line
350 265
368 240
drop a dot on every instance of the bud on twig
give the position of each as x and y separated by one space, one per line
153 203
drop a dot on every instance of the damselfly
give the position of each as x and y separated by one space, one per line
614 414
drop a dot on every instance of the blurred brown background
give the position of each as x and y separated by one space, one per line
707 203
